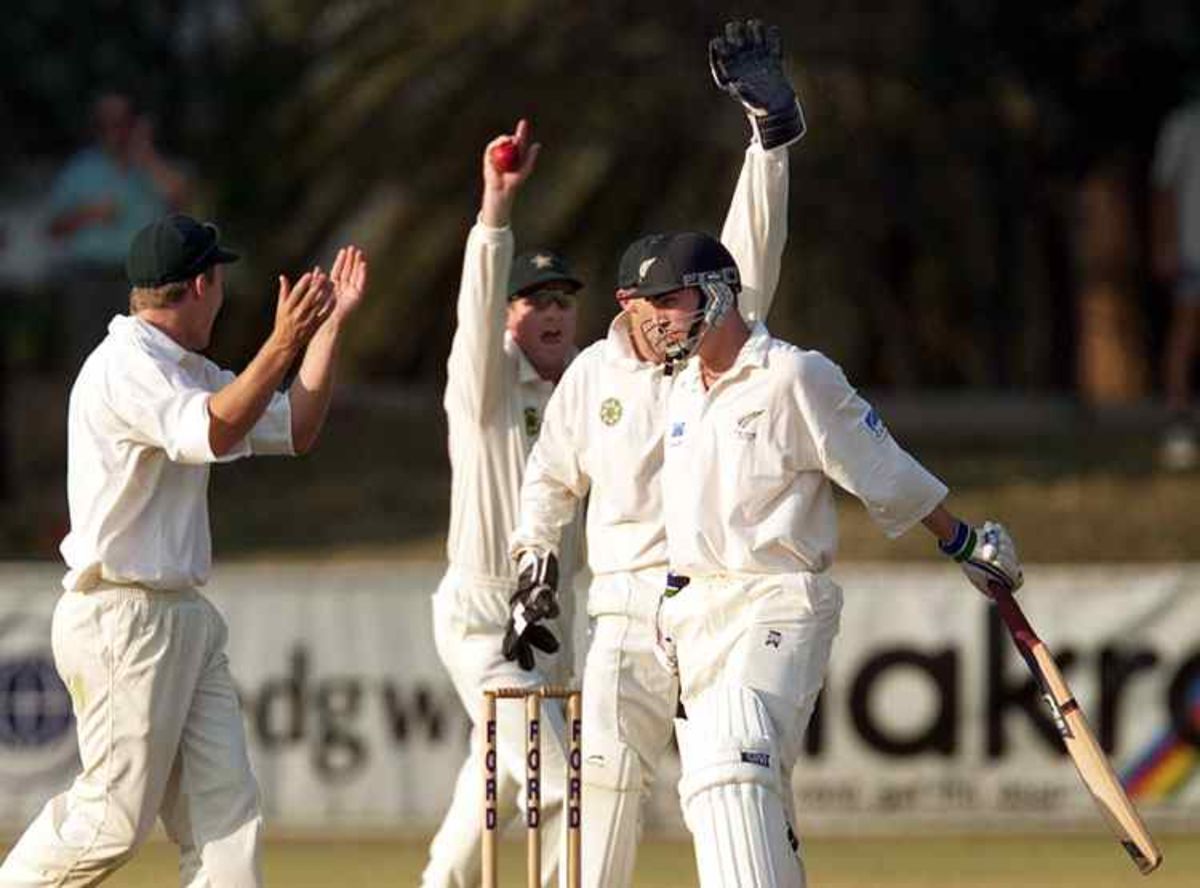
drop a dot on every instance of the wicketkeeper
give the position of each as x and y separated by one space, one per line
602 440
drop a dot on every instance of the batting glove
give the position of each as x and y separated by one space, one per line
747 62
987 555
664 643
536 599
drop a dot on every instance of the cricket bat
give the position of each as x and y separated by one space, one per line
1093 766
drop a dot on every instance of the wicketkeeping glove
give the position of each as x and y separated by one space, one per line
747 62
987 555
536 599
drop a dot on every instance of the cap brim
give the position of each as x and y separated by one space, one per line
546 280
222 256
218 255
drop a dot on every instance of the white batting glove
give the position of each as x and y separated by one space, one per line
987 555
664 642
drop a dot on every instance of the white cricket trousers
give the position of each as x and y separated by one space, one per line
160 735
752 653
469 615
629 702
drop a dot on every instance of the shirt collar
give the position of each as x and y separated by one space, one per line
754 350
149 338
753 353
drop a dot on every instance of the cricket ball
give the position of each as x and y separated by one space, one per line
505 157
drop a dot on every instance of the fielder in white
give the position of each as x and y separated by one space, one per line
141 650
515 335
602 439
757 430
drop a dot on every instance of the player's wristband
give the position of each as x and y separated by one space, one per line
778 128
961 544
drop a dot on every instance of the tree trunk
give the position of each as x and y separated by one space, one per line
1111 347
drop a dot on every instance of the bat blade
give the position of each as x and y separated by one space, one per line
1093 766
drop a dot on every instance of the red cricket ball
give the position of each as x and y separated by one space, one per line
505 157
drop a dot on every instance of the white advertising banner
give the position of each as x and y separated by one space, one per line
928 715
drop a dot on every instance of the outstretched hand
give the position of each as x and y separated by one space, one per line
500 187
348 278
746 61
301 309
527 152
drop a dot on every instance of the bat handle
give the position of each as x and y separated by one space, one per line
1012 615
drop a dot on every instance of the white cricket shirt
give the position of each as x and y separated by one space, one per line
603 429
494 404
137 460
748 464
1176 168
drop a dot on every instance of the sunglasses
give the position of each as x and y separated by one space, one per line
564 299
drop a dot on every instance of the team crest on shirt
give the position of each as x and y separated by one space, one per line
747 426
774 637
610 411
874 425
676 435
533 422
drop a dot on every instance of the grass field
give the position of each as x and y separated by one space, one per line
1003 861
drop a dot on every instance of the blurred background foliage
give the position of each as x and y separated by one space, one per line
935 209
968 226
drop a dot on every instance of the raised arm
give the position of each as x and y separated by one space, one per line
299 312
755 231
746 62
312 389
474 381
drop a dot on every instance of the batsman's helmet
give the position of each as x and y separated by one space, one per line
633 257
690 259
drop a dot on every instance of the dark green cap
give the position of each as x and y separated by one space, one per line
539 267
174 249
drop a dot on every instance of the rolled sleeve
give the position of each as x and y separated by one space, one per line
178 423
166 413
859 454
272 434
186 438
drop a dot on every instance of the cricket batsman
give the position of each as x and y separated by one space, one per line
602 439
139 647
758 431
515 336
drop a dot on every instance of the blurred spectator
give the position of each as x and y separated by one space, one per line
102 197
1175 260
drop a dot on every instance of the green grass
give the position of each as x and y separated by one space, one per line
978 861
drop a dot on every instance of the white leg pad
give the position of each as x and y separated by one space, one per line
612 791
733 794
